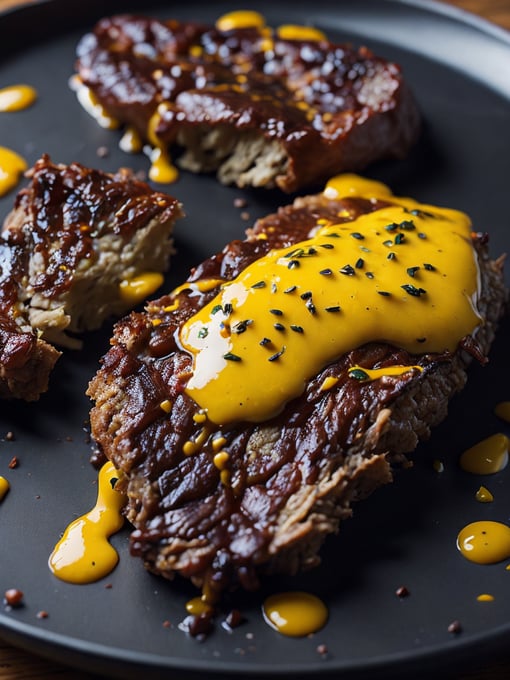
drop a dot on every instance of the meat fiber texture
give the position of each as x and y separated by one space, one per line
73 236
293 478
255 108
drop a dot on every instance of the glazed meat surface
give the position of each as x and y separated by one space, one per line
74 235
254 107
292 478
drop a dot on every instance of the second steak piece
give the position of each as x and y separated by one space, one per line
280 108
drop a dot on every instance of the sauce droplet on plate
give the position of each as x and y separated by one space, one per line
16 97
502 410
11 167
485 542
83 554
295 614
487 457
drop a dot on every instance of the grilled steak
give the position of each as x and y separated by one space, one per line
220 500
259 107
73 237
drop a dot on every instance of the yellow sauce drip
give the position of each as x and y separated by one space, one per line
295 614
242 18
131 141
483 495
485 542
502 410
198 606
4 487
16 98
138 288
162 170
487 457
235 377
376 373
83 554
485 597
294 32
11 167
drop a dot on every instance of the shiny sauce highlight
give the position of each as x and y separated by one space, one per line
295 614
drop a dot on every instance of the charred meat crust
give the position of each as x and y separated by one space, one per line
292 479
73 235
288 115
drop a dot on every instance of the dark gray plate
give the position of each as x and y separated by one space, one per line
404 534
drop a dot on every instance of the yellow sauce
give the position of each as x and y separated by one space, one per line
485 542
502 410
131 141
83 554
295 614
368 374
487 457
242 18
485 597
162 170
12 166
306 305
4 487
138 288
198 606
16 97
294 32
483 495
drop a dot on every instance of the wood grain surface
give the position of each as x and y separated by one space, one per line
17 664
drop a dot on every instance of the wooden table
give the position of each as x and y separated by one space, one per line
16 664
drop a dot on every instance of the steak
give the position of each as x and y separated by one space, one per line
222 501
73 237
257 107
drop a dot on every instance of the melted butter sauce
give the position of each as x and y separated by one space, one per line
12 165
83 554
485 542
4 487
369 374
483 495
138 288
487 457
295 614
16 98
251 344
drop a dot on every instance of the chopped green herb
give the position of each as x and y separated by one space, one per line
388 243
357 235
413 290
276 356
290 289
360 263
276 312
334 308
348 270
429 267
412 271
328 246
391 227
203 332
279 326
228 308
399 238
265 341
422 235
326 272
259 284
274 289
229 356
293 264
369 275
391 256
307 295
358 374
407 225
296 329
241 326
310 306
384 293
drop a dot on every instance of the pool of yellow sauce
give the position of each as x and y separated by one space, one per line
485 542
138 288
295 614
502 410
487 456
290 313
4 487
12 165
84 554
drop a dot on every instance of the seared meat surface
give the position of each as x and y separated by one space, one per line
284 483
256 108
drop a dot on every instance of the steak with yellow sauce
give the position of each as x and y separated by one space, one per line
248 409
